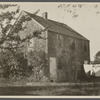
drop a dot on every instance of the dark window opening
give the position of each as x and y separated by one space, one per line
60 44
59 37
73 46
60 64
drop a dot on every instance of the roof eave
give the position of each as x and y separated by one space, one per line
69 36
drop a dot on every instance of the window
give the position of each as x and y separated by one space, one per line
73 46
60 40
59 37
85 47
60 63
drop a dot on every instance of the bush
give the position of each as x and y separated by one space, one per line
39 63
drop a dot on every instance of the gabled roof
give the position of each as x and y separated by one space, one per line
56 26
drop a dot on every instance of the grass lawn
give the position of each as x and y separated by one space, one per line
51 89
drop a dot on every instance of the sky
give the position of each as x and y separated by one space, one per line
87 22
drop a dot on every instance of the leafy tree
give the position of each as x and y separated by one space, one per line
13 64
12 60
38 62
97 58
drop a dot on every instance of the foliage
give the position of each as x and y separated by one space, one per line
5 6
73 9
97 58
12 64
38 61
13 61
17 65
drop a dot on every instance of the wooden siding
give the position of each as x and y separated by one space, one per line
70 55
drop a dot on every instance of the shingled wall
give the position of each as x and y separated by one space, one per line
70 54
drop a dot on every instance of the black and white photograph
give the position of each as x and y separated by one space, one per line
49 49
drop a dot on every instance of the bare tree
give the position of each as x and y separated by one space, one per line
73 9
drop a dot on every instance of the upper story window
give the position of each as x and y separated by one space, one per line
60 40
85 47
58 36
73 45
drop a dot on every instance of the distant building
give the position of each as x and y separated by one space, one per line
67 50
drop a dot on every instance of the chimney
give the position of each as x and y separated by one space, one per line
45 15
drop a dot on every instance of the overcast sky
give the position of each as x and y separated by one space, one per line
86 23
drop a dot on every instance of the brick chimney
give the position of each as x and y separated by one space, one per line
45 15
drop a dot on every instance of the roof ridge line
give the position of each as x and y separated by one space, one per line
62 26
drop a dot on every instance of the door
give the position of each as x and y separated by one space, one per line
53 69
